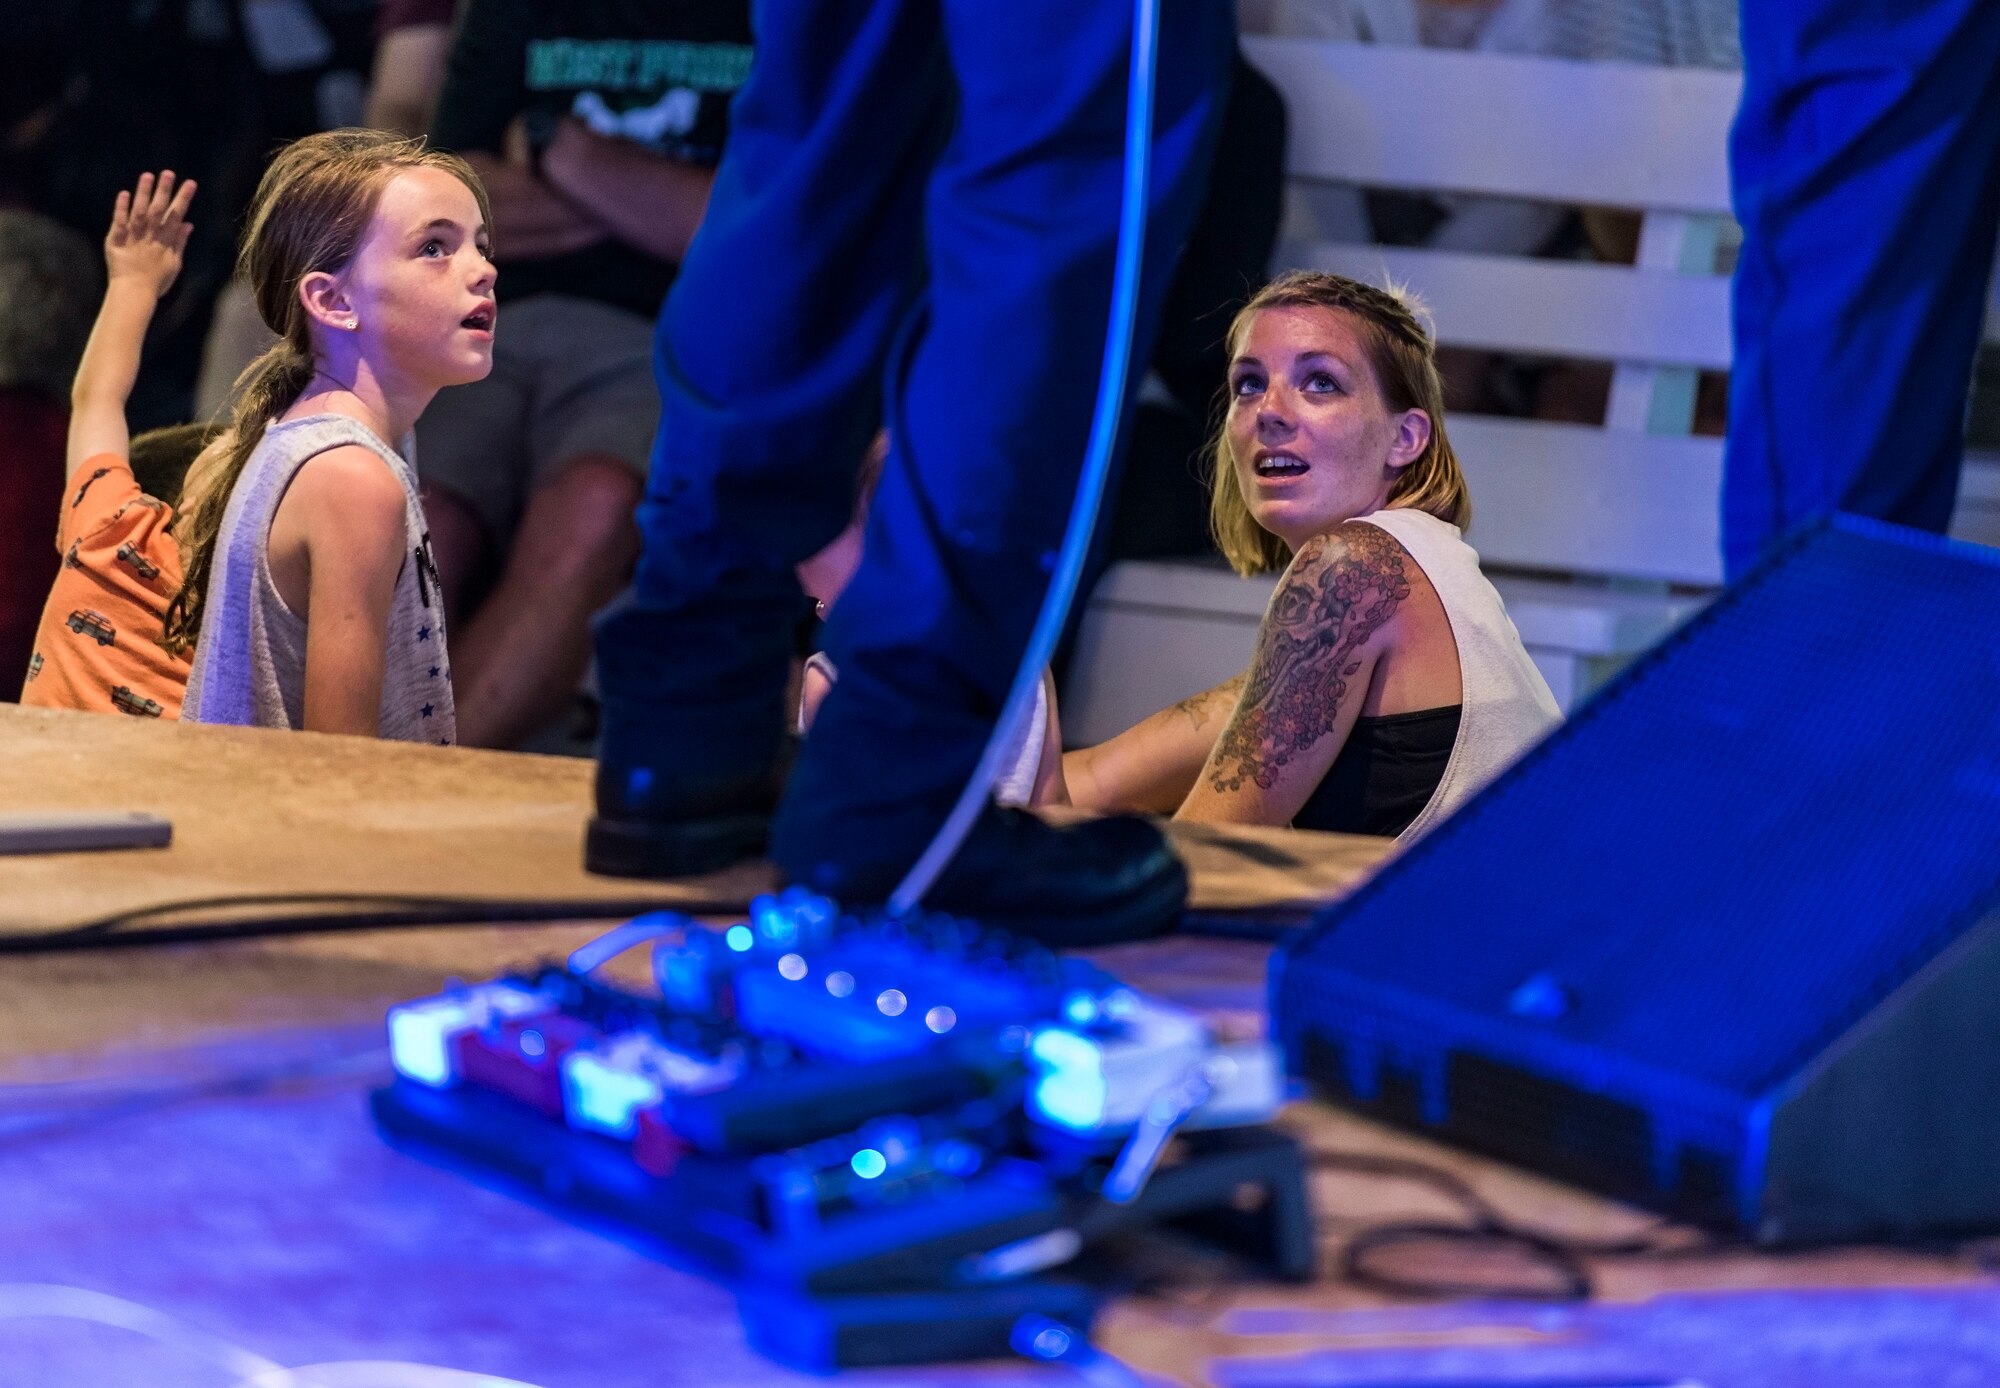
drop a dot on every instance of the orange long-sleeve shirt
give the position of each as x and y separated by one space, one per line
100 643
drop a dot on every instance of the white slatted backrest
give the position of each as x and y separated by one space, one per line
1556 308
1600 134
1636 499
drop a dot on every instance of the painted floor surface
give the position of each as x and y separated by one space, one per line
282 1224
1877 1337
183 1138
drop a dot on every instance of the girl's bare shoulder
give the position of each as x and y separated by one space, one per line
348 490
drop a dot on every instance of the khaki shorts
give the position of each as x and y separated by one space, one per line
570 377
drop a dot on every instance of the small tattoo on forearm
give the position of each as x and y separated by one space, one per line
1200 707
1339 590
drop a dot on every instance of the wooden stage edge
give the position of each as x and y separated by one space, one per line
272 824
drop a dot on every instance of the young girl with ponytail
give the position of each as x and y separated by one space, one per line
310 600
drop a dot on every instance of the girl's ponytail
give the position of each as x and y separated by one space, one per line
267 388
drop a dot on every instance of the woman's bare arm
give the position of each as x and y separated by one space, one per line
1151 766
1328 624
1050 787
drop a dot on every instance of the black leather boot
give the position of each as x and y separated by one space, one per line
646 826
1095 882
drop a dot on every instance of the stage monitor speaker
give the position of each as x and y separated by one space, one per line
1726 944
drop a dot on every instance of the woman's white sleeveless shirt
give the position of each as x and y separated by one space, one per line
1506 706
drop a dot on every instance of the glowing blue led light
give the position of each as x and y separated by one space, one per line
1072 1090
840 983
792 966
869 1163
774 921
533 1045
1052 1343
1080 1009
739 938
421 1033
890 1002
601 1095
1073 1099
783 931
420 1038
1059 1049
940 1019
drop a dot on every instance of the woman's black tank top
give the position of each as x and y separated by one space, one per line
1385 775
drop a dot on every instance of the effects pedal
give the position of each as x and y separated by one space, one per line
896 1136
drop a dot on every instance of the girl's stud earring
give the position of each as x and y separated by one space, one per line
353 323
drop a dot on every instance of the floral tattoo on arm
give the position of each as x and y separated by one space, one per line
1339 591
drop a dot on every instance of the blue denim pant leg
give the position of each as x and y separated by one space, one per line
990 394
1866 171
836 228
768 354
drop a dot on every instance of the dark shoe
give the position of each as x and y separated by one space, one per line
1095 882
644 828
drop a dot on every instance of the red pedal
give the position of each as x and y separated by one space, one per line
656 1148
522 1057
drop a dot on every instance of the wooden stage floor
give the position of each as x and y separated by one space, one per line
353 826
182 1127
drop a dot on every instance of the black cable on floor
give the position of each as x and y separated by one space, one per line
1267 925
1565 1257
143 1101
340 911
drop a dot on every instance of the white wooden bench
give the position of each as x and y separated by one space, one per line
1602 538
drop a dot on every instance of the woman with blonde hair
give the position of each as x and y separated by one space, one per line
1388 683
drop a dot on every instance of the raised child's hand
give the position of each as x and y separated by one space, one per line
149 231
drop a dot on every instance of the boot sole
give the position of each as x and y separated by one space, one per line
1153 909
684 848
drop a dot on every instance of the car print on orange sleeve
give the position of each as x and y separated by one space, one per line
137 562
103 471
139 706
95 625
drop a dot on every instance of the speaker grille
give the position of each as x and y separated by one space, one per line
1522 1117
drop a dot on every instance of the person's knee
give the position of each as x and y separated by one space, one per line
582 521
461 548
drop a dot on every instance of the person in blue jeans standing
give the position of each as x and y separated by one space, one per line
1866 169
914 226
